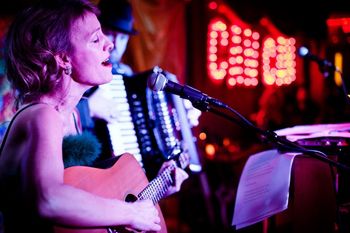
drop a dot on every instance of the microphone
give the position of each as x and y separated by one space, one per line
158 82
323 63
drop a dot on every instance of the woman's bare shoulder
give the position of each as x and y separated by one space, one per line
39 116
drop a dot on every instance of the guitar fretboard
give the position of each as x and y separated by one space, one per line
158 187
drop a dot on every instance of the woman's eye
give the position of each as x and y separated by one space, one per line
96 39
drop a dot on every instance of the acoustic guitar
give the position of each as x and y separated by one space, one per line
125 180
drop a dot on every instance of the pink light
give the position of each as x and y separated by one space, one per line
236 29
233 48
247 32
213 34
231 81
212 5
247 43
218 74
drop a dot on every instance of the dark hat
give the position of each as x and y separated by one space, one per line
117 15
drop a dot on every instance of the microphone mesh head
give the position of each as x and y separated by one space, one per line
303 51
156 81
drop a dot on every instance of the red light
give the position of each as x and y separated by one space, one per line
212 5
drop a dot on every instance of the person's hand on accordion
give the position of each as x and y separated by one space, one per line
102 105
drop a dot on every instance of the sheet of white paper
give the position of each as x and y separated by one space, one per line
263 188
315 131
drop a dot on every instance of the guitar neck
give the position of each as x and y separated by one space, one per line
158 187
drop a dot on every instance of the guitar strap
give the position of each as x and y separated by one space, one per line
10 124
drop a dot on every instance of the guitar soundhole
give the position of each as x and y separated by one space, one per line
130 198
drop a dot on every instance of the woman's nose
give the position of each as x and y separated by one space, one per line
110 44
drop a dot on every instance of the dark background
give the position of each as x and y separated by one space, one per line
290 17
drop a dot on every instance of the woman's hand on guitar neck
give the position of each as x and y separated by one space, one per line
144 216
179 176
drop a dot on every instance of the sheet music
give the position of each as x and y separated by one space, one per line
315 131
263 188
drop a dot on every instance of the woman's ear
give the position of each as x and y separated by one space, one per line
64 62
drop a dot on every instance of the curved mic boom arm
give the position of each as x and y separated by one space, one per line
281 142
158 82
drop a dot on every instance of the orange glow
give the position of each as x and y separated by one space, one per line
226 142
279 61
202 136
338 62
210 150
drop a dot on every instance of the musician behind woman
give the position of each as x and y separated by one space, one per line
118 24
55 51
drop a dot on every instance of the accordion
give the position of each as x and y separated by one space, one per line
153 126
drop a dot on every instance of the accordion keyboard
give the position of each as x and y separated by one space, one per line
121 131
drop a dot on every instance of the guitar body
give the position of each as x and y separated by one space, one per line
125 177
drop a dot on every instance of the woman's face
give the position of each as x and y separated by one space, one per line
91 52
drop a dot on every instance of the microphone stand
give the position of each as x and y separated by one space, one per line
345 90
326 67
283 144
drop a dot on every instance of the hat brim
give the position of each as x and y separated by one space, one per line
128 31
